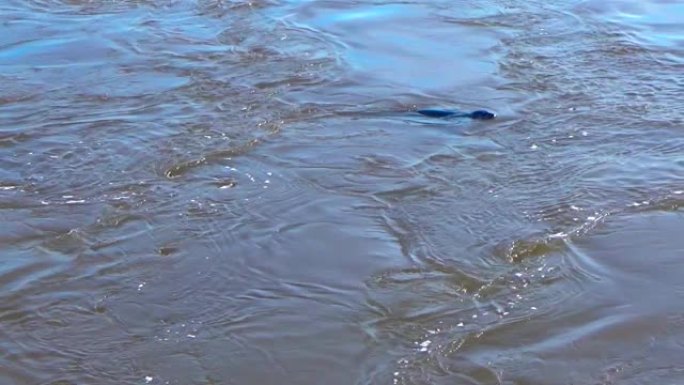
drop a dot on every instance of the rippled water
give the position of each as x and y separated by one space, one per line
233 192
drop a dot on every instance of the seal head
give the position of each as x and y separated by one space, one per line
482 115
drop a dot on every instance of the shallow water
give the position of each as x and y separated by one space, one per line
232 192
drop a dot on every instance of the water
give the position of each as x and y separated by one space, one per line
232 192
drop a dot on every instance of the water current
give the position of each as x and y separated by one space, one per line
237 192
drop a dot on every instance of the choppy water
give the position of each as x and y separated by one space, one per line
233 192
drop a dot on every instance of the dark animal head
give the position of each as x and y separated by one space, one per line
482 115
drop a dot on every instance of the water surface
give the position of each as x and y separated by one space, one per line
233 192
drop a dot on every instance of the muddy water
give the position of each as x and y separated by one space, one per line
232 192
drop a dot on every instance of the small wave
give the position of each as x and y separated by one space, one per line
183 168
